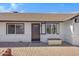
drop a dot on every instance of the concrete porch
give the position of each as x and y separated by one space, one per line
30 44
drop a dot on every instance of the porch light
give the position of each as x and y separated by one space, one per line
76 20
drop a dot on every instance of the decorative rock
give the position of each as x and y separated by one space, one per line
7 53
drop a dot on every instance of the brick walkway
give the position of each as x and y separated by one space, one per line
44 51
39 49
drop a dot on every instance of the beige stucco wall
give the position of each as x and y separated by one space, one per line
26 37
75 35
45 37
69 32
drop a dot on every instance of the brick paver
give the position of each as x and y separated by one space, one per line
44 51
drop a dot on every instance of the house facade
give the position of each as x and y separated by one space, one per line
22 27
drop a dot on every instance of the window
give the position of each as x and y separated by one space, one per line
52 28
15 28
43 27
19 29
11 29
48 29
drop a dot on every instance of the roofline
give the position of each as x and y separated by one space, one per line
27 21
73 17
38 13
70 18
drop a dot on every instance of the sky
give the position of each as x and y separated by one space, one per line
40 7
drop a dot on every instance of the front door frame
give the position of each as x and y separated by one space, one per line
32 32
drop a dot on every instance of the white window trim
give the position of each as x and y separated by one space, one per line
43 29
15 27
58 32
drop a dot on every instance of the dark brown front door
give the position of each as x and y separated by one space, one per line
35 32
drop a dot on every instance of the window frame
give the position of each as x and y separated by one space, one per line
20 29
15 27
47 27
43 23
52 24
